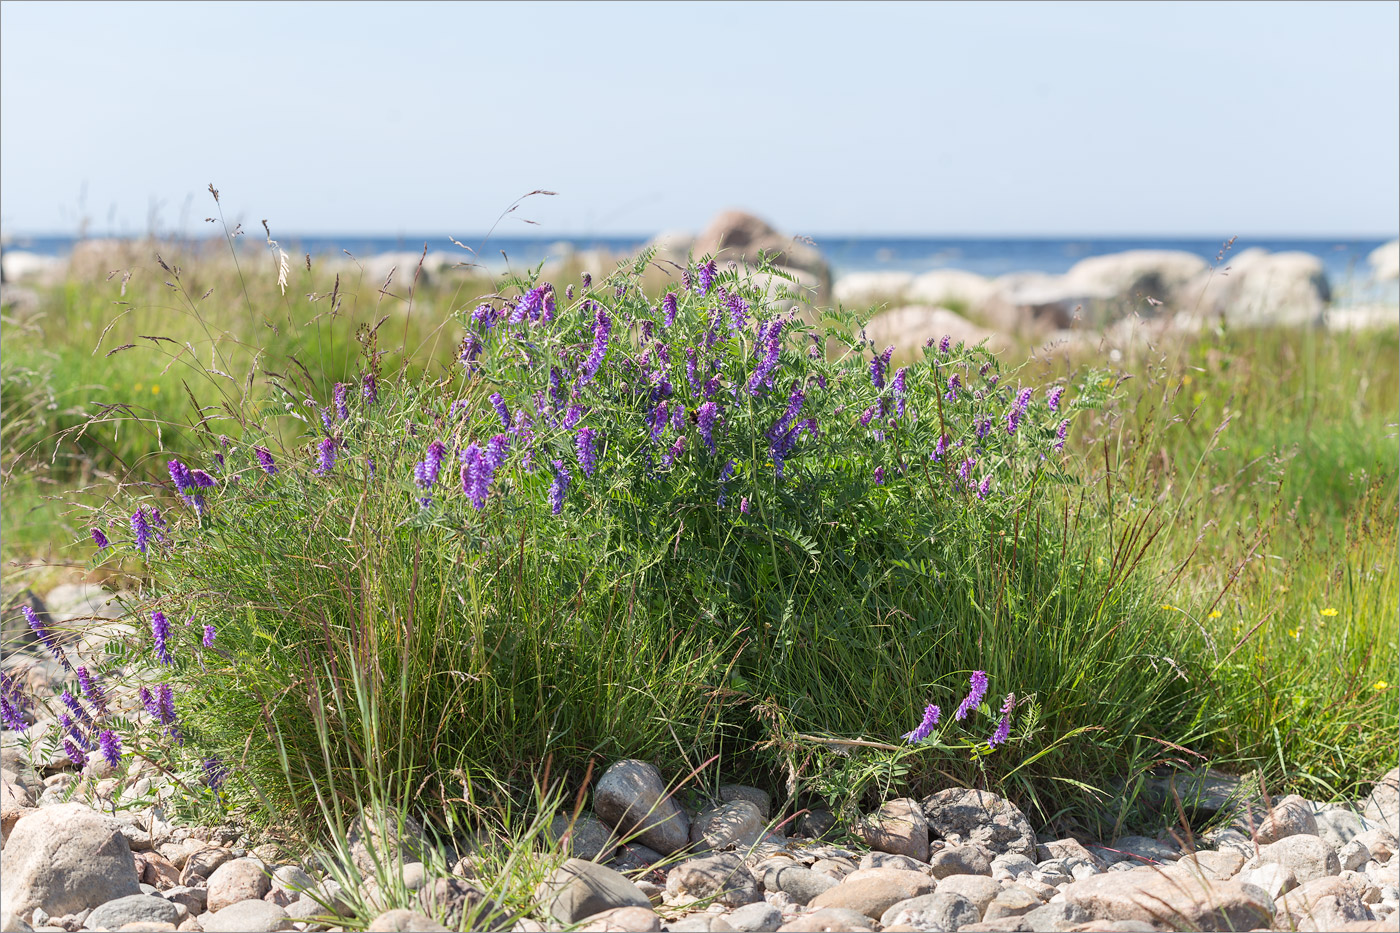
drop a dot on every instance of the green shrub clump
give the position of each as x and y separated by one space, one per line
677 528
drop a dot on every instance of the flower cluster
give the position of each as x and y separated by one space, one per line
976 693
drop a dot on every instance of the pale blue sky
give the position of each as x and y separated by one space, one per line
1045 118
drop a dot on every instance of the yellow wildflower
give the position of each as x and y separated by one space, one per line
1381 685
1214 614
1294 633
155 390
1329 612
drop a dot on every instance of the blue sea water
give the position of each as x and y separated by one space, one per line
1344 258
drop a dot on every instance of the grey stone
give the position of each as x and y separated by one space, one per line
631 797
242 879
723 878
456 901
800 883
1383 804
1201 793
755 918
579 889
1010 867
1307 856
202 863
623 920
886 860
898 827
960 860
1353 855
738 823
1273 879
65 859
193 900
694 923
965 816
937 911
1061 915
246 917
384 837
829 920
405 921
816 824
979 889
293 879
1014 900
1143 849
1289 816
759 798
875 890
134 908
1338 826
1067 848
1151 895
588 838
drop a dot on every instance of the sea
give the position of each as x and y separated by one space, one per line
1344 258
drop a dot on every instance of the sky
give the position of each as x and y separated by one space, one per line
826 118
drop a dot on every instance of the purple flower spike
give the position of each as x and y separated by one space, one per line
369 389
476 476
706 277
100 539
587 453
149 702
499 404
342 411
215 773
878 367
1003 730
44 635
180 475
325 457
111 747
944 344
984 487
706 417
160 631
1052 398
425 473
74 753
974 695
669 307
496 450
744 505
209 633
602 329
1013 420
92 689
269 466
1061 433
925 727
879 476
1023 398
559 487
202 479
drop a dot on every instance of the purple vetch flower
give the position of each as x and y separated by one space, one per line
471 349
1003 730
954 383
691 363
657 419
602 329
879 476
43 634
100 539
878 366
325 462
269 466
706 417
584 444
209 633
11 716
202 479
180 475
160 631
1023 398
369 388
215 773
738 313
326 421
587 280
142 528
569 292
499 403
572 416
901 389
74 753
744 505
369 466
939 449
1052 397
711 387
484 317
1060 434
706 277
1013 420
984 487
669 307
674 453
559 487
496 450
944 343
925 727
678 418
974 696
867 416
342 411
762 373
685 279
965 474
92 690
724 477
476 476
425 473
79 714
983 427
992 380
111 747
149 702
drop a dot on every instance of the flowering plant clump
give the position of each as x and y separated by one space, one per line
602 471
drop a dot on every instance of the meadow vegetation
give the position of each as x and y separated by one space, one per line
429 540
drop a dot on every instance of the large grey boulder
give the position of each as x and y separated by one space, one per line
1257 288
579 889
586 837
241 879
1383 804
1385 261
941 910
737 236
134 908
723 877
964 816
246 917
861 290
873 891
66 859
1118 283
632 798
898 827
951 288
1308 857
1152 896
738 823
